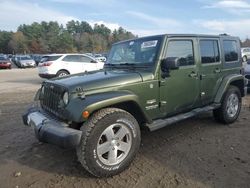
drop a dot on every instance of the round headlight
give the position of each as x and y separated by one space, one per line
66 98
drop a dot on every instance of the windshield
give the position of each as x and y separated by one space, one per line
143 51
25 58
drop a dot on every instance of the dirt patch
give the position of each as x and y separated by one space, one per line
195 153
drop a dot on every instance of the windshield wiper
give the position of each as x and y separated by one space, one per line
126 65
109 64
135 65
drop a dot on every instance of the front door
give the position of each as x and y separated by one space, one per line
180 90
210 69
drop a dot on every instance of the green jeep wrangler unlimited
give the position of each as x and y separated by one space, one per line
151 81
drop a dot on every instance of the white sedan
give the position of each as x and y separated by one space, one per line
58 65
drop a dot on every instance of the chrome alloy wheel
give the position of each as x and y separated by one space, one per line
62 74
232 105
114 144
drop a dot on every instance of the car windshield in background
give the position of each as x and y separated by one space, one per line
25 58
50 58
138 52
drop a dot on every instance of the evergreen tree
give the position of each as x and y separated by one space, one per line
50 37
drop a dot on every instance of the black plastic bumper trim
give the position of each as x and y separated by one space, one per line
52 131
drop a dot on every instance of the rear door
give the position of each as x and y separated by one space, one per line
210 68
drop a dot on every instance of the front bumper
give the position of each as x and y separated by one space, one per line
5 66
50 130
28 65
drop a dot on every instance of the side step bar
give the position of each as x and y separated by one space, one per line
160 123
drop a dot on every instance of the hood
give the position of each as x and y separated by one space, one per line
97 80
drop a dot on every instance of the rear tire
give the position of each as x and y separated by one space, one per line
230 106
110 141
62 73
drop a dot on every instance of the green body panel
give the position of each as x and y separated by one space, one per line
148 97
110 88
138 93
153 96
180 91
210 82
225 84
210 76
97 101
91 82
177 95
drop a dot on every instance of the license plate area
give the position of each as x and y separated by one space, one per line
35 119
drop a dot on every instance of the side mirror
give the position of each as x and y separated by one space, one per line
93 61
170 63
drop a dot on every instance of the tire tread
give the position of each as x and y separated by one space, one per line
219 114
87 128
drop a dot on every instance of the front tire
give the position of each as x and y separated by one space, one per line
230 107
110 140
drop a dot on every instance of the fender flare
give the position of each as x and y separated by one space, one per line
95 102
225 84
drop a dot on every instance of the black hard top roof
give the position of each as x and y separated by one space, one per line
201 35
186 35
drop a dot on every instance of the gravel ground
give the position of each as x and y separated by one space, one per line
195 153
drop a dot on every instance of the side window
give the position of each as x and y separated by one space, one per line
230 50
181 49
71 58
85 59
209 50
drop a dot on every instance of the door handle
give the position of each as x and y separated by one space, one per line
217 70
193 75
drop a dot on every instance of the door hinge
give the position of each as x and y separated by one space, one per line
163 103
202 76
162 83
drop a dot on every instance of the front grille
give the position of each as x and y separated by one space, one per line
51 100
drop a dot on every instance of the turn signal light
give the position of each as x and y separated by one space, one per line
45 64
85 114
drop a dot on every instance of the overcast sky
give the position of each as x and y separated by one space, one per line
142 17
